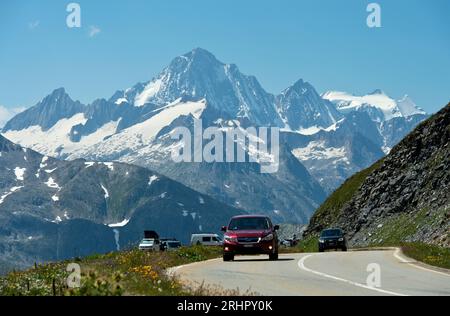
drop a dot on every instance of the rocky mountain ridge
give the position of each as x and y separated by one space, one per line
404 197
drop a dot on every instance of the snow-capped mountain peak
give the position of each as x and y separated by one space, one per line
187 75
177 79
56 106
201 55
377 104
408 108
301 107
198 75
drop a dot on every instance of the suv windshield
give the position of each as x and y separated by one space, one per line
331 233
249 223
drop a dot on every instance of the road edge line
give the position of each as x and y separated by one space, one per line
173 270
301 265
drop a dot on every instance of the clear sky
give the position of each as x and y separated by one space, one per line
324 42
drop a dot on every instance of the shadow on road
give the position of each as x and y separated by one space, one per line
259 260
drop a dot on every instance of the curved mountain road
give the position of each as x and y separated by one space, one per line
330 273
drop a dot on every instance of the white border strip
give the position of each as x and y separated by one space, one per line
301 265
174 270
399 255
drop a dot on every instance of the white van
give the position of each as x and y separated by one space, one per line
149 244
206 240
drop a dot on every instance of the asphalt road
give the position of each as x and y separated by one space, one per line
330 273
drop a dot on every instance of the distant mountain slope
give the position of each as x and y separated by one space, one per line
403 197
290 194
332 155
393 118
52 209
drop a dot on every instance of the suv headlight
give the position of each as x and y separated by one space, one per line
230 239
321 241
267 238
341 239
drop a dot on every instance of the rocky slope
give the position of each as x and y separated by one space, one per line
53 210
403 197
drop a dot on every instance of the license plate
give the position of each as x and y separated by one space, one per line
248 246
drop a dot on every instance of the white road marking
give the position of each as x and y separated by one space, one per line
173 270
397 254
301 265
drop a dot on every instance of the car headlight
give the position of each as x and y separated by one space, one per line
341 239
267 238
321 241
230 239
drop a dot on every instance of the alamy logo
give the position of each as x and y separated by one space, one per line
74 278
374 277
374 18
74 17
228 144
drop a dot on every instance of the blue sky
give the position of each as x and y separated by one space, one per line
324 42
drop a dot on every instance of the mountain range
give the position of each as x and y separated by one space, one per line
324 138
52 209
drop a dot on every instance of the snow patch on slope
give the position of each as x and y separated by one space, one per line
56 141
121 224
109 165
52 184
47 142
11 191
106 195
149 91
120 101
152 179
315 129
143 134
316 150
19 172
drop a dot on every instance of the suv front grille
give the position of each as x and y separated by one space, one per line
248 239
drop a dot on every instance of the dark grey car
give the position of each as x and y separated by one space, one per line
333 238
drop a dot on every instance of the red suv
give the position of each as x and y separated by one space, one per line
250 234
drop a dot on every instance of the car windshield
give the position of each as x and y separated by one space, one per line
331 233
147 242
249 223
174 244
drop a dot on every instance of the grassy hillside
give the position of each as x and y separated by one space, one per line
131 272
429 254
